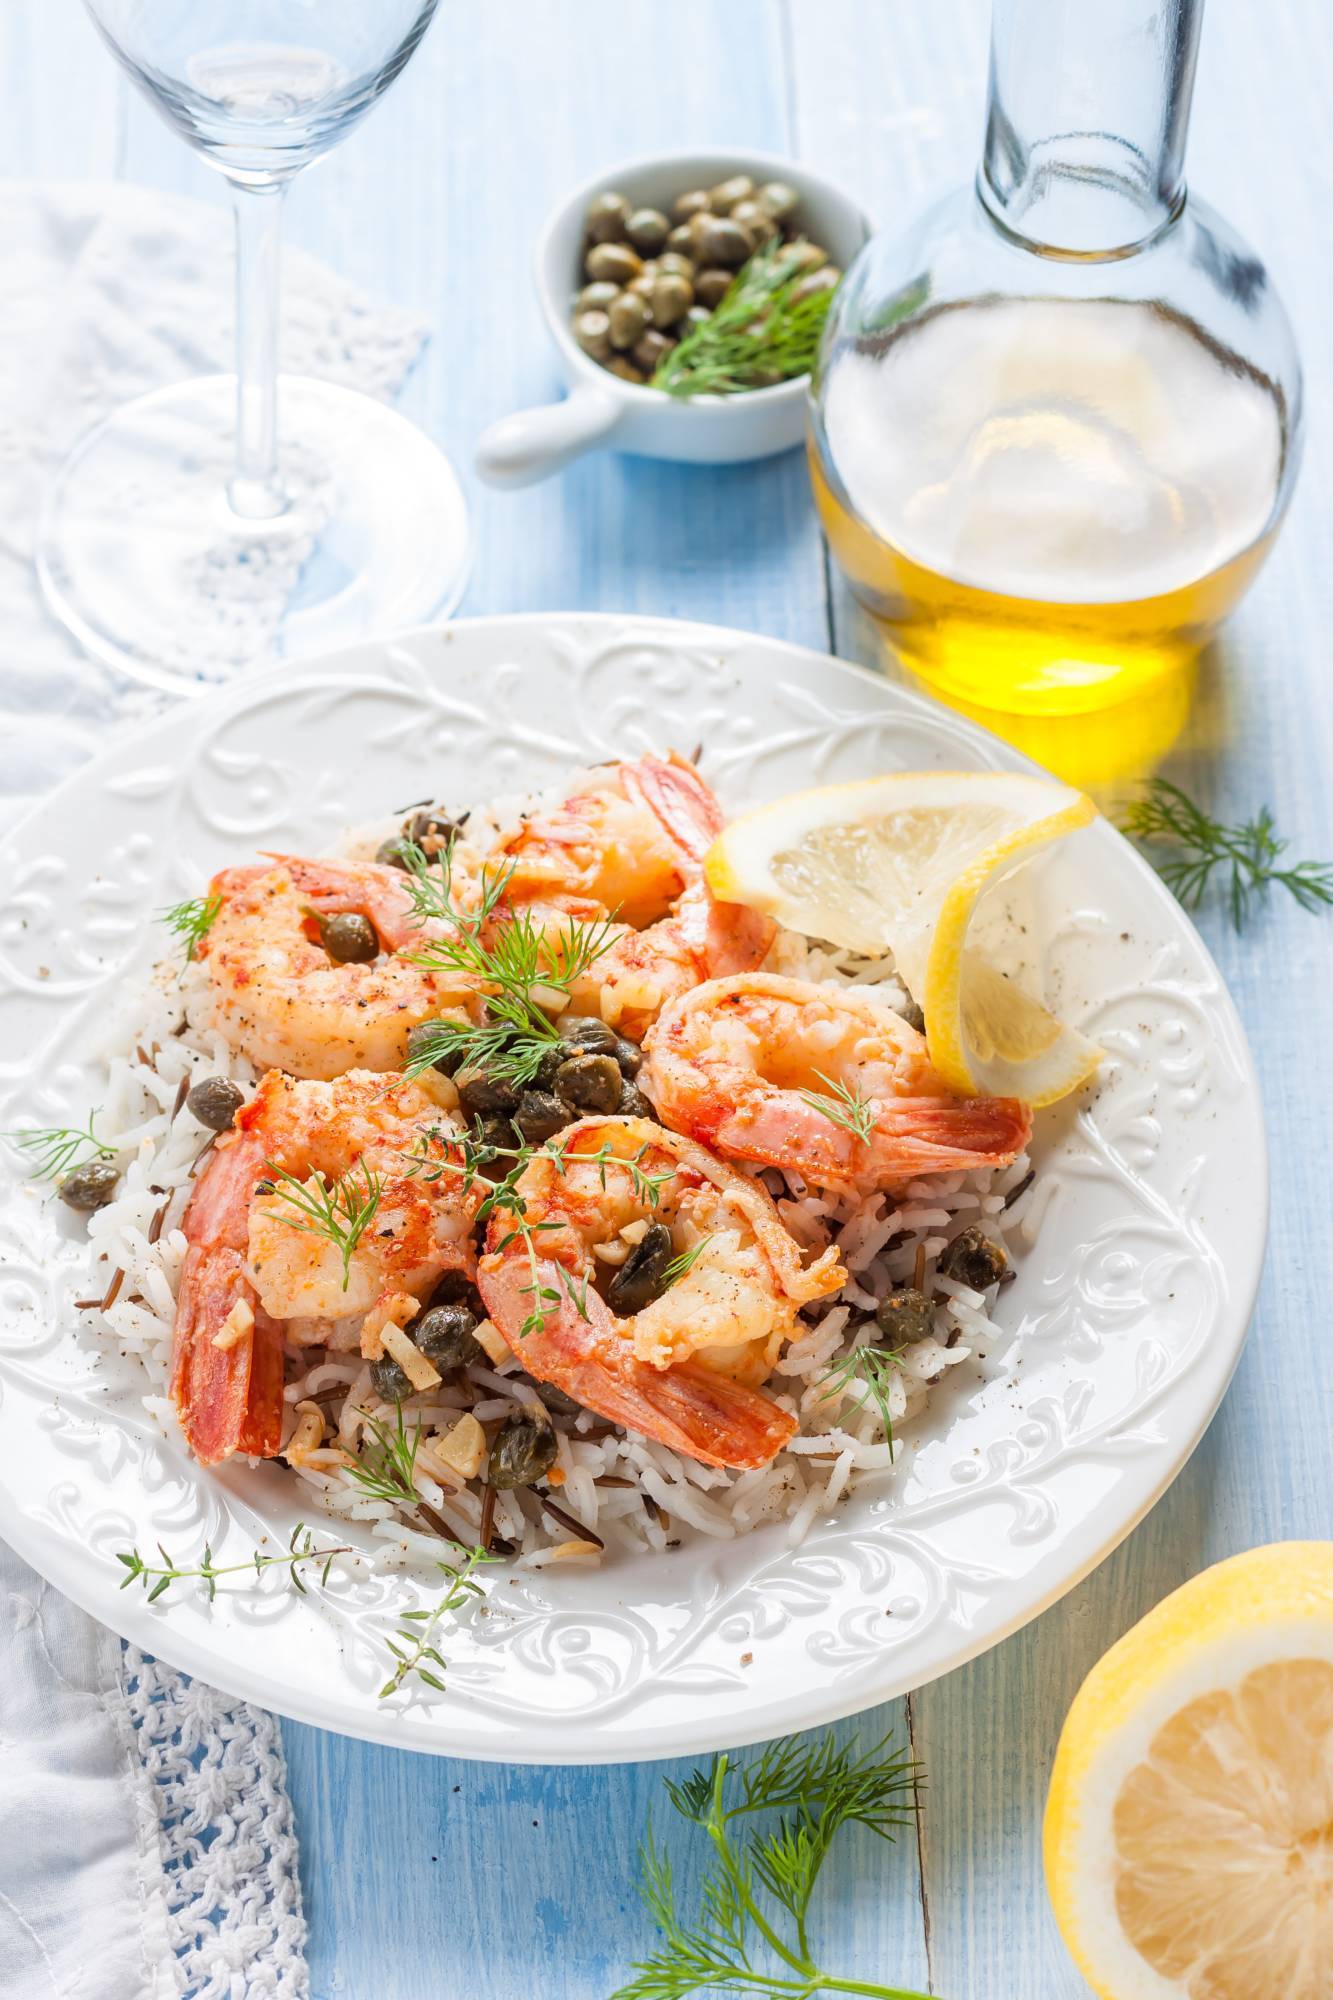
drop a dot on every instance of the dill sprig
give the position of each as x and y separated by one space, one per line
340 1211
875 1369
760 332
843 1106
683 1262
193 920
759 1891
414 1649
56 1150
388 1470
1248 854
158 1578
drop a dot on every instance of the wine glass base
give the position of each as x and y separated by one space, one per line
141 554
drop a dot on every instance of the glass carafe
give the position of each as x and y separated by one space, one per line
1056 426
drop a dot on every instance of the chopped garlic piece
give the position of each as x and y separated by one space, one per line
611 1253
634 1232
308 1435
419 1372
236 1327
491 1341
562 1550
391 1309
463 1448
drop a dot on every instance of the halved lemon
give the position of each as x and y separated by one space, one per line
907 863
1189 1826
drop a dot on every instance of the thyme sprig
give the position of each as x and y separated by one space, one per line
340 1211
55 1150
414 1648
760 333
843 1106
192 920
759 1890
683 1262
875 1369
157 1578
1198 847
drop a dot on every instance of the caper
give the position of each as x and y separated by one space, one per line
642 1276
711 286
672 298
681 266
592 330
421 1038
477 1091
540 1115
628 318
642 286
651 351
804 255
215 1102
608 214
523 1449
680 239
724 197
444 1335
690 204
621 365
588 1031
629 1055
548 1064
596 298
590 1083
614 261
905 1316
755 220
492 1128
719 240
822 280
92 1186
974 1259
349 938
647 229
395 853
432 828
633 1103
779 199
696 316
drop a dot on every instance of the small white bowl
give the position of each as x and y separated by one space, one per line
627 416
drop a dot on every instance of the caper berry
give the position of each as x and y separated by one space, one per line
642 1276
592 330
905 1316
711 286
91 1186
523 1450
688 205
974 1259
596 298
349 938
779 199
647 229
395 853
215 1102
651 351
478 1091
627 319
724 197
608 214
590 1083
588 1031
420 1039
719 240
614 261
540 1115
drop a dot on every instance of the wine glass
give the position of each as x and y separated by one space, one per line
246 514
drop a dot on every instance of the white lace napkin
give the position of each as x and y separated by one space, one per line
146 1839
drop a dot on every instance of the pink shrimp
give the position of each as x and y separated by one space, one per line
682 1367
630 845
280 999
256 1277
736 1063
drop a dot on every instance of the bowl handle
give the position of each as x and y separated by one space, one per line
528 445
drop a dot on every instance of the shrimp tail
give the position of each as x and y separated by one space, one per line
230 1396
722 938
678 799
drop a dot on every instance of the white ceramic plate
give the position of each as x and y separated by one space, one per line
1121 1332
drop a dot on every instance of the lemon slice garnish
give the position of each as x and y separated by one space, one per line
908 863
1189 1827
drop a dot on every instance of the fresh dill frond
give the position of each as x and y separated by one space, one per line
682 1262
875 1369
387 1471
55 1150
193 920
1197 846
761 331
505 1053
301 1549
758 1892
414 1650
341 1211
843 1106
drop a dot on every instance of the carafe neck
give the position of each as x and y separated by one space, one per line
1086 121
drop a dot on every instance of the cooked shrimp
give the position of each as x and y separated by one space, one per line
630 845
281 1000
730 1064
256 1277
682 1368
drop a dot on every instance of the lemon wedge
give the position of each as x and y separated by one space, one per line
907 863
1189 1827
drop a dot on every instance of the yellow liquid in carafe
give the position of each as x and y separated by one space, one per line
1048 506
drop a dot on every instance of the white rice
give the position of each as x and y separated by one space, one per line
628 1492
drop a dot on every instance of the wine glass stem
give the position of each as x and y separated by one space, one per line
255 490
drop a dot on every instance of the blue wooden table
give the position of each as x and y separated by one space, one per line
422 1875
